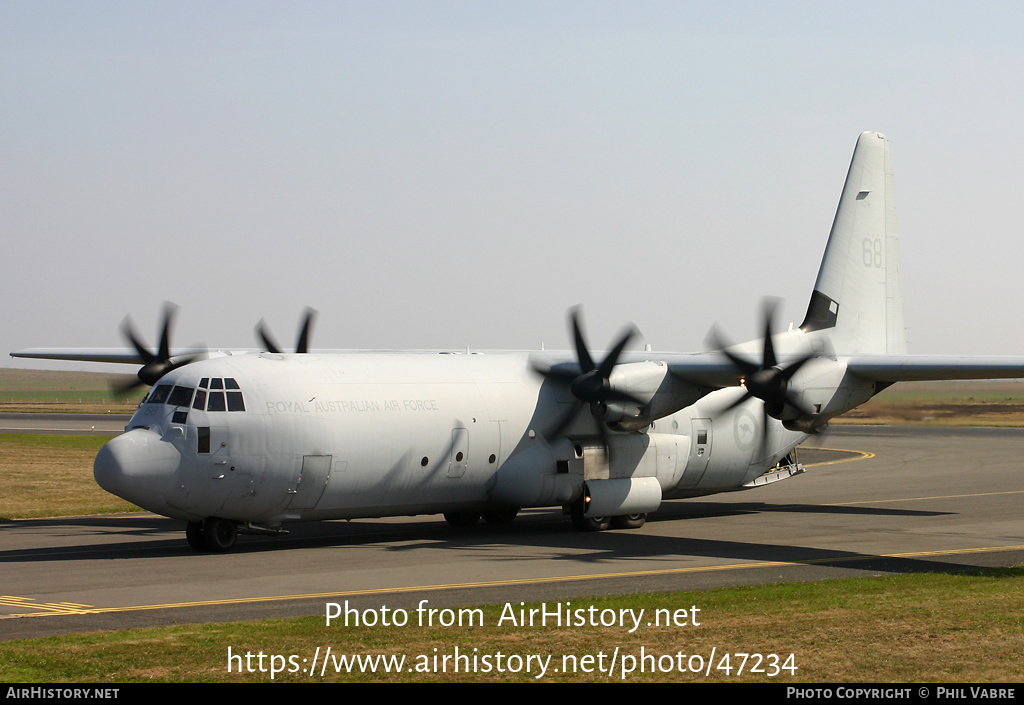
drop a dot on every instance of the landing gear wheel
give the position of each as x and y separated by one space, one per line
462 520
501 516
195 536
219 534
585 523
629 521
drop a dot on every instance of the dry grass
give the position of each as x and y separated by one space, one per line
51 475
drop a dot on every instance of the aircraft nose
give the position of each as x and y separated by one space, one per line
138 466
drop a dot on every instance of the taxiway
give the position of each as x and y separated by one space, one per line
907 500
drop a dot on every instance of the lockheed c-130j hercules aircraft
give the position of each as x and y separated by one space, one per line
249 441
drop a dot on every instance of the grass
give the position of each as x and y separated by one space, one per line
51 475
944 628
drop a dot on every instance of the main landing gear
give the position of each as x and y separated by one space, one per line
212 534
577 510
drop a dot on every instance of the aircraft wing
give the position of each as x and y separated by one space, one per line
123 355
922 368
710 370
127 356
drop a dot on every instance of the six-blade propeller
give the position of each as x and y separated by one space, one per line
767 381
589 384
154 364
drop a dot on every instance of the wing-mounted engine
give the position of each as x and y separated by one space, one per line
822 389
658 392
797 388
620 397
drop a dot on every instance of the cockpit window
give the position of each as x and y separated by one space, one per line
216 399
181 396
158 395
216 402
235 401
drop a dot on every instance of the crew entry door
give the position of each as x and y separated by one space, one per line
313 479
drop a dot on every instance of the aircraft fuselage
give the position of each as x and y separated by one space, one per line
270 438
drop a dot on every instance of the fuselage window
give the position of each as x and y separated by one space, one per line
216 402
230 383
204 439
181 396
216 383
159 394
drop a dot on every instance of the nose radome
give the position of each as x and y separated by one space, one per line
138 466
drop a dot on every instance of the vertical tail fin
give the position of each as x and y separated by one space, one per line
858 296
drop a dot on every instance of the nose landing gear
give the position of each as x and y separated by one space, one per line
212 534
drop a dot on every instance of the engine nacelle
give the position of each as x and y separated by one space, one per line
824 387
651 382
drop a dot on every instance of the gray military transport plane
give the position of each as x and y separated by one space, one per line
233 442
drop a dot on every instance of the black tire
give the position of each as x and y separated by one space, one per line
195 536
629 521
220 534
585 523
501 516
462 520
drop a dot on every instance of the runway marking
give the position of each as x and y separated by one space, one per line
68 608
50 608
859 455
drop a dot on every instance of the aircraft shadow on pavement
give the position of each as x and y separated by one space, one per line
156 537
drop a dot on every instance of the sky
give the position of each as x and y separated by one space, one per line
451 174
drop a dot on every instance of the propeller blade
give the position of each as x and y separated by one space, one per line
264 335
582 354
301 345
128 330
769 349
608 364
165 332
